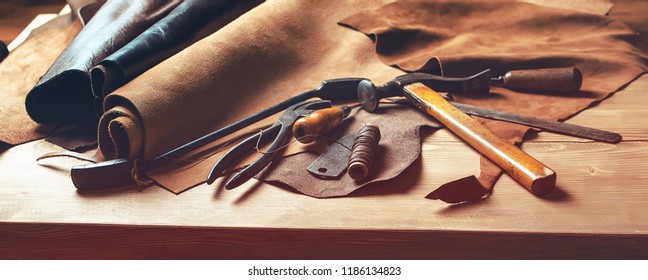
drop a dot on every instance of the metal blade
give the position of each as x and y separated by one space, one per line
553 126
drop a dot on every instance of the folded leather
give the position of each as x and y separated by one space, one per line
632 13
64 93
187 23
463 38
22 69
277 50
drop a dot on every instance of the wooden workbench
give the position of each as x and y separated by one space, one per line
597 211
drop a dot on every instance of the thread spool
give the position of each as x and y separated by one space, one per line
363 152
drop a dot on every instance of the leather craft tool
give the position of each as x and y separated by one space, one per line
551 126
567 80
522 167
280 132
334 161
319 122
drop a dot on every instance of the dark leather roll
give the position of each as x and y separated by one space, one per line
64 92
189 22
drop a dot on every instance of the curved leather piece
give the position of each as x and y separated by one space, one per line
399 147
64 93
189 22
22 69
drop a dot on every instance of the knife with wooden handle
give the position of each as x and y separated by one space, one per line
526 170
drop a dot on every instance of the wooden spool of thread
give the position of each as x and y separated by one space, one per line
363 152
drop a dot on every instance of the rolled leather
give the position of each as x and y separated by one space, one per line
189 22
21 70
277 50
64 93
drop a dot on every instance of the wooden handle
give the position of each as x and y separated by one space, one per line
558 80
525 169
319 122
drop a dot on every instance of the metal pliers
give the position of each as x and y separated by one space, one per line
280 131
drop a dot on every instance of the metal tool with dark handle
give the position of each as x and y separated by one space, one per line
528 171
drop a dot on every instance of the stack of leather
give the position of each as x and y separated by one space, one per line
119 41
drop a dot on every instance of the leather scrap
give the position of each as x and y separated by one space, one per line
460 38
632 13
187 23
599 7
399 147
76 138
21 70
64 93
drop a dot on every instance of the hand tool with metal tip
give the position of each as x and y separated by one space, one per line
369 96
320 122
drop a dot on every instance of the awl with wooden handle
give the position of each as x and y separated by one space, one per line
566 80
526 170
320 122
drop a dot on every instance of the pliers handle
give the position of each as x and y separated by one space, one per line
246 146
280 131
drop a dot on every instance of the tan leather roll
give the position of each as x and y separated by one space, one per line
277 50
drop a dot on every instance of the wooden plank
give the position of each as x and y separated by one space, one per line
80 241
